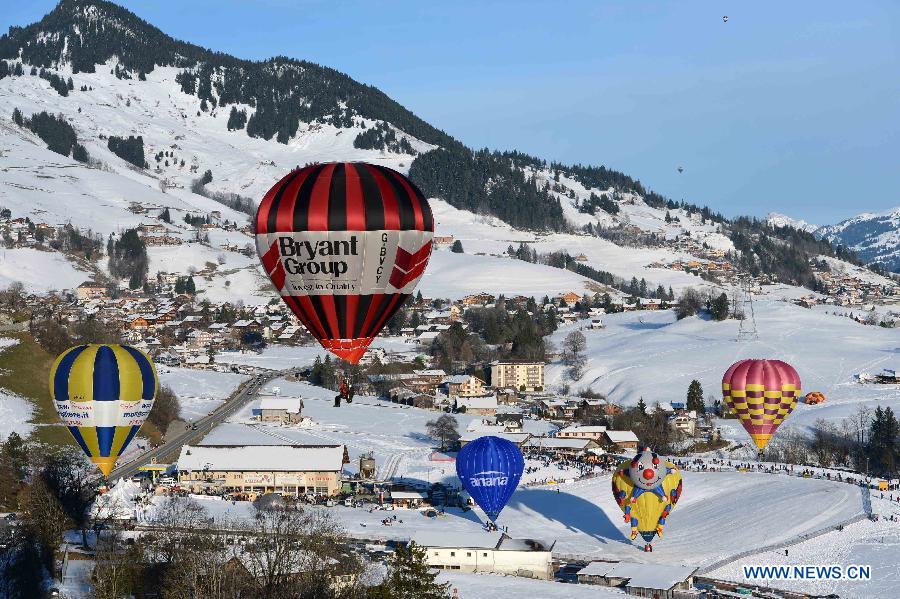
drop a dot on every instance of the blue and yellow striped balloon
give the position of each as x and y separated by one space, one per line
103 394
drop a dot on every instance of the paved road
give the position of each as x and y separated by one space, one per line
171 448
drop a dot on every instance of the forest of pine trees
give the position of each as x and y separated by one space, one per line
382 137
486 183
55 131
130 149
128 258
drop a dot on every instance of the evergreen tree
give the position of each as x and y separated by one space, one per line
190 287
641 406
410 577
695 397
883 447
131 149
165 216
457 247
719 307
17 117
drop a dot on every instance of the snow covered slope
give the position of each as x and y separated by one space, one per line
651 355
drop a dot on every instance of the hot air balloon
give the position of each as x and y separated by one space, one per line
814 398
490 469
345 245
680 169
762 393
103 394
646 488
725 19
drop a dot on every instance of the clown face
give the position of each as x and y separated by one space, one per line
647 470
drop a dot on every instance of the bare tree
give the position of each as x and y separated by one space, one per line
445 428
574 346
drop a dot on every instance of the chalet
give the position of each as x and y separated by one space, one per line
686 423
442 240
408 499
595 433
484 405
90 290
570 298
511 422
464 385
518 439
650 303
620 440
660 581
561 447
480 299
284 410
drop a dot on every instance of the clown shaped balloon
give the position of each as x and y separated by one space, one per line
646 489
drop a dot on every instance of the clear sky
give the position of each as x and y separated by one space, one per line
790 106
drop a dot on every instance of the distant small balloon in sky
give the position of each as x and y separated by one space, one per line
725 19
680 169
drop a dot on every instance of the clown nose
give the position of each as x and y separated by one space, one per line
648 473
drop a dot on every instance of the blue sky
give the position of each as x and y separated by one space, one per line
789 106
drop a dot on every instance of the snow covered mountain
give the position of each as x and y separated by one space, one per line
184 111
875 237
781 220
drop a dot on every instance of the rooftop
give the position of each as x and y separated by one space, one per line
267 458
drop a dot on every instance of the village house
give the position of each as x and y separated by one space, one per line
620 440
492 552
463 385
284 410
512 422
483 405
518 374
254 470
561 447
408 499
518 439
659 582
90 290
595 433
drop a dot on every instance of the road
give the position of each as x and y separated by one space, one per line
171 448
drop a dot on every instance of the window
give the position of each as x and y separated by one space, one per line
468 554
484 554
452 554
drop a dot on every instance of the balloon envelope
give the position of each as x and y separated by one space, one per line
762 393
103 394
345 245
490 469
647 487
814 397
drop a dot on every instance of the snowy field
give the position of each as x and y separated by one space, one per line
395 434
584 520
38 271
15 411
651 355
199 391
478 586
274 357
868 543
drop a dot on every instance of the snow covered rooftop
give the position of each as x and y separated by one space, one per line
584 430
474 540
658 576
555 443
272 458
273 402
622 436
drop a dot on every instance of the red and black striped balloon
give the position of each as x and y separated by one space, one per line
344 244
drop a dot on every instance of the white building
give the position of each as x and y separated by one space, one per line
487 552
257 469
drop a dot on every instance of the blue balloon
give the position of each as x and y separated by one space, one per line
490 469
